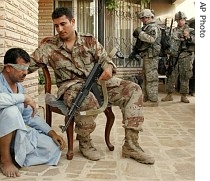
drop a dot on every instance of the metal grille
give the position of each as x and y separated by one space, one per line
120 23
119 26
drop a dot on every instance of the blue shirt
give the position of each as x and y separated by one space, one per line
32 145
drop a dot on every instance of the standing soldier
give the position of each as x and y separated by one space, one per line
149 51
182 46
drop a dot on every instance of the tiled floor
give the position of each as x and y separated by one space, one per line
168 134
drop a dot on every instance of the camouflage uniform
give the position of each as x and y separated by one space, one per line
150 38
181 56
72 67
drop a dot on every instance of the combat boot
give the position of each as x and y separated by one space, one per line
87 148
184 98
167 98
131 148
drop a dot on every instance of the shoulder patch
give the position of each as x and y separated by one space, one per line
153 32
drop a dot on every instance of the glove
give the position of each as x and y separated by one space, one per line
136 32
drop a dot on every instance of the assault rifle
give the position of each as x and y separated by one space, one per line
134 55
136 48
86 88
165 41
172 21
89 85
171 63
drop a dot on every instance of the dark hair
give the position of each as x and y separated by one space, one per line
58 12
13 54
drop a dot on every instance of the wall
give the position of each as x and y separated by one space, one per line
45 20
19 28
188 7
163 9
46 27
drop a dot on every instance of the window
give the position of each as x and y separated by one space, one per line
84 12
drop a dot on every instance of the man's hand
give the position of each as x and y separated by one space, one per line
107 73
186 34
29 101
57 139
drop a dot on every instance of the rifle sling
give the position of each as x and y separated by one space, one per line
105 102
96 92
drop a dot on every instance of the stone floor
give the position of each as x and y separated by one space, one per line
168 134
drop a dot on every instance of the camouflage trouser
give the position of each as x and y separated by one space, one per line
150 78
183 70
127 95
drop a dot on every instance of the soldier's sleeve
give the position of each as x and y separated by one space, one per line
149 36
103 57
38 58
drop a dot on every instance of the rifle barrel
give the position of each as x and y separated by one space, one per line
171 27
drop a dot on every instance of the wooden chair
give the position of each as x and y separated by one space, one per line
70 130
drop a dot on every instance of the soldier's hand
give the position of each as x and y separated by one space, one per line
136 32
186 34
107 73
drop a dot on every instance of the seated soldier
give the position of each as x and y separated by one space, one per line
72 55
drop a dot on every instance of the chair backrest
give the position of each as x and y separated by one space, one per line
48 82
57 107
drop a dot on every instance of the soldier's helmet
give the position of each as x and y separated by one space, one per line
146 13
180 15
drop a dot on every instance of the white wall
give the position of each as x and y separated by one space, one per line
188 7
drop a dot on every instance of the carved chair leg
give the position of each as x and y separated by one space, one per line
109 123
43 110
70 139
48 115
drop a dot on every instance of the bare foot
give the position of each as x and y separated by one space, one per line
9 169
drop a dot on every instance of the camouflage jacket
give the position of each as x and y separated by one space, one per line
187 46
70 67
151 36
